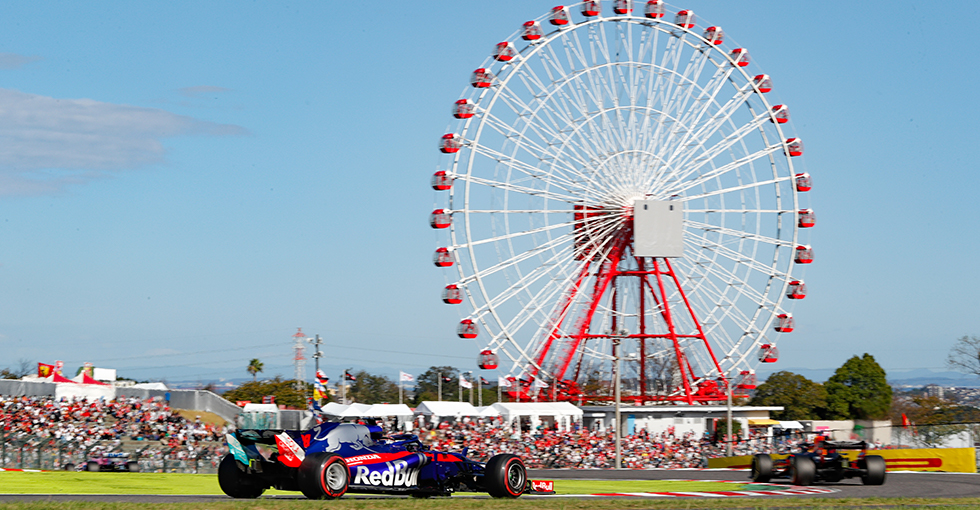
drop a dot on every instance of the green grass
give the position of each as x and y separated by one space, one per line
59 482
158 483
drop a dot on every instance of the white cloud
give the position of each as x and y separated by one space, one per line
47 143
15 61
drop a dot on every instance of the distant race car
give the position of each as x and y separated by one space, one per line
822 462
106 461
336 458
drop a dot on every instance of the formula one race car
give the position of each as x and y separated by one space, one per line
339 457
822 462
107 461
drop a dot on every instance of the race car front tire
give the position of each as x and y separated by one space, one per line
761 468
505 476
235 482
802 470
92 466
323 476
133 466
875 465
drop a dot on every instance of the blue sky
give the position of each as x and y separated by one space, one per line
183 184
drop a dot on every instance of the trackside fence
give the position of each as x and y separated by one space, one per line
31 452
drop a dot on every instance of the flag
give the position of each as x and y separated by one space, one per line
348 377
447 379
905 422
484 381
540 383
403 377
269 399
322 377
503 382
44 370
464 383
319 392
58 365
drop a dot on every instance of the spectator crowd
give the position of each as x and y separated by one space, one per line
585 449
82 426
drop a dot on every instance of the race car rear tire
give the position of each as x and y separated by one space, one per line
92 466
235 482
69 467
133 466
875 464
761 468
505 476
802 470
323 476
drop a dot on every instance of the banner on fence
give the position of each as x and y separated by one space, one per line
950 460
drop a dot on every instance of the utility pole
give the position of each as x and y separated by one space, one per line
618 433
439 398
728 383
471 386
317 354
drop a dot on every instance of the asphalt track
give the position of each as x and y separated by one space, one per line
897 484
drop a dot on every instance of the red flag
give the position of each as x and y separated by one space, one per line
905 421
44 370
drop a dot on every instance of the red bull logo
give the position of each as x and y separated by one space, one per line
391 474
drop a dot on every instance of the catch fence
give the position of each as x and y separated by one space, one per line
48 453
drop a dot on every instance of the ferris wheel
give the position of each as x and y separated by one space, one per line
619 186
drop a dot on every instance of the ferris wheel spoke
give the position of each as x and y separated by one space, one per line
740 234
525 282
689 182
515 235
735 256
544 194
713 124
733 189
552 179
525 142
706 99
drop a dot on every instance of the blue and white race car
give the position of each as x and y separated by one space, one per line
332 459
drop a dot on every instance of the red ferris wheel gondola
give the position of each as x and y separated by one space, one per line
768 353
487 360
559 16
452 295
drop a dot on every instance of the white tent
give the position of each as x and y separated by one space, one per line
74 390
386 410
354 410
488 411
446 409
333 409
563 413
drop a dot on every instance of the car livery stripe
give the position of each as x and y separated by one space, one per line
374 458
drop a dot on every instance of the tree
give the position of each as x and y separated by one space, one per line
254 367
372 389
427 384
284 391
933 419
965 355
24 367
801 398
858 390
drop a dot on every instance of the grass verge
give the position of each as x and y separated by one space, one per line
177 484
